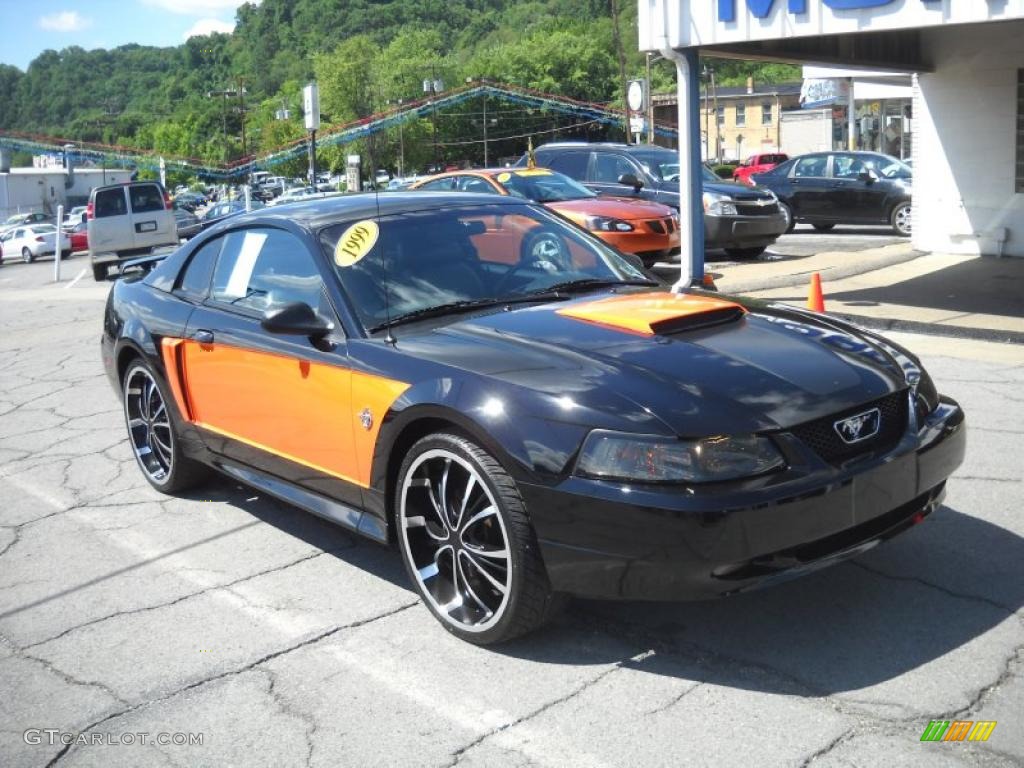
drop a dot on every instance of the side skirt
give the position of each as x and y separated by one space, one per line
342 514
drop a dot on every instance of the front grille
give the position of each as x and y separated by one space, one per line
821 437
661 226
751 209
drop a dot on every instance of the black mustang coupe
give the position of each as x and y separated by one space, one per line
525 423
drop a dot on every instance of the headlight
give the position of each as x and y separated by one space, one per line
718 205
605 224
653 459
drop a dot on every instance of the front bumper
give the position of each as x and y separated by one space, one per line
606 540
742 231
641 242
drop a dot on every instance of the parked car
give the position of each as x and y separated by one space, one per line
74 216
25 219
759 163
35 240
190 201
293 194
219 211
127 220
186 223
829 188
521 433
646 229
79 234
402 183
739 219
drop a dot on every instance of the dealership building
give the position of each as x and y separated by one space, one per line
967 88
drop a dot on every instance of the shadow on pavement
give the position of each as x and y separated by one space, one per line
987 285
908 603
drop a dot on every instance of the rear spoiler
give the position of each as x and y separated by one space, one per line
144 264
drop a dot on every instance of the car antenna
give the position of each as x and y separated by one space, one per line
384 269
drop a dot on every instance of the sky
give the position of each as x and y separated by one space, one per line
29 28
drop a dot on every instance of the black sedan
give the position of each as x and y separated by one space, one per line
829 188
525 426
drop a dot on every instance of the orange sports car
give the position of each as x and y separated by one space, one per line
649 230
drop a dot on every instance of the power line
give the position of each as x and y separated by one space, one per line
518 136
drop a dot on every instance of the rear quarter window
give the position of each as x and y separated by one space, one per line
110 202
572 164
146 198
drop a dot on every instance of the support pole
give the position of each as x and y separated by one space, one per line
691 187
851 119
56 244
312 157
486 160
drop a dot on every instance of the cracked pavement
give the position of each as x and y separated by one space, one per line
286 641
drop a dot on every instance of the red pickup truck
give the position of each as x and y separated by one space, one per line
757 164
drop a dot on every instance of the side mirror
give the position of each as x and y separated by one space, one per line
629 180
867 177
297 319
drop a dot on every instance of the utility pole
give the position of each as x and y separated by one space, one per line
650 103
434 87
621 55
240 82
486 161
311 108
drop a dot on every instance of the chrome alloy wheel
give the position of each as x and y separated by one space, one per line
149 425
901 220
456 539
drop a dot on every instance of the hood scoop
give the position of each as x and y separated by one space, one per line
651 314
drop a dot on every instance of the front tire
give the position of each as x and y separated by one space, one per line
153 434
787 212
467 543
824 227
900 220
99 272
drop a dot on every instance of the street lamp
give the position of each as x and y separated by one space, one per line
433 86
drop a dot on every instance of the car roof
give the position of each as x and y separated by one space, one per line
320 212
603 145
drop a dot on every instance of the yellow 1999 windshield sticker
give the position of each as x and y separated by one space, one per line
356 242
503 177
534 172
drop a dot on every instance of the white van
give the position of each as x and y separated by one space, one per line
128 220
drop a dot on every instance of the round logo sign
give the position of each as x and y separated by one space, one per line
635 96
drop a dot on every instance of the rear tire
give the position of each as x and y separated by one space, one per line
745 253
99 272
467 542
27 256
823 227
153 432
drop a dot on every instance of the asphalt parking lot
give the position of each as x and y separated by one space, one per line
278 639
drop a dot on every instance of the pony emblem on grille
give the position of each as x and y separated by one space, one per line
859 427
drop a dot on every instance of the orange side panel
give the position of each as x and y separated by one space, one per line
169 350
284 405
636 313
377 394
302 411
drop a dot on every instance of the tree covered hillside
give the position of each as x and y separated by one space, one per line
366 54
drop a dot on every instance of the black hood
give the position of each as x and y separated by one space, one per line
764 369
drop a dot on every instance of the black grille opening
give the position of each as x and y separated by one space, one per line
821 436
656 226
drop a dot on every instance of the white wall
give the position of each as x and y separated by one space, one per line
34 190
965 116
809 130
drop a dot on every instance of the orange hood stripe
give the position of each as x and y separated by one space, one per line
641 312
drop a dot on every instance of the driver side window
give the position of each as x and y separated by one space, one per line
263 269
608 167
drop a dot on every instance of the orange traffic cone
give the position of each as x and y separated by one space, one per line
815 300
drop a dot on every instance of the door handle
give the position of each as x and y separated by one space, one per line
203 336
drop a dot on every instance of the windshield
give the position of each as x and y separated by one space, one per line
542 186
474 255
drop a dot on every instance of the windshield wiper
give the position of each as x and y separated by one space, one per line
587 283
466 305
